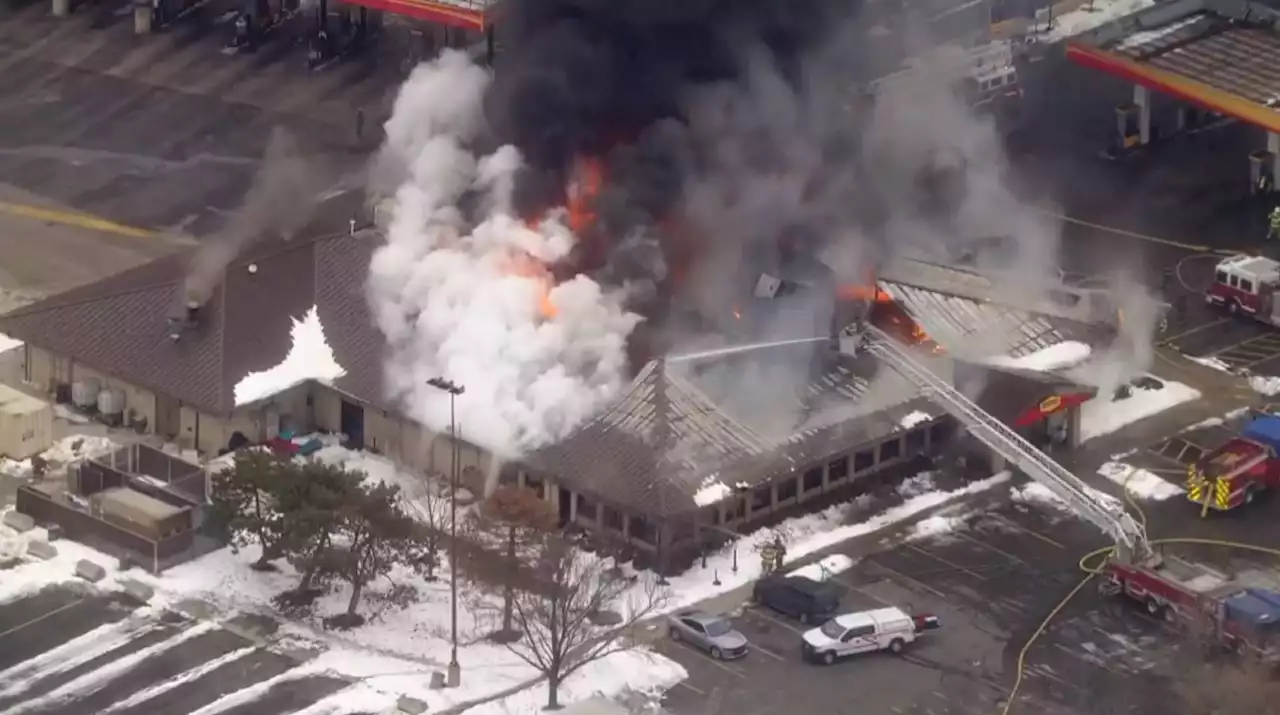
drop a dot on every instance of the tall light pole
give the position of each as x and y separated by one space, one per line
454 676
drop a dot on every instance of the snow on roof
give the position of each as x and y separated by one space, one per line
7 343
1092 16
711 491
1055 357
309 358
1101 415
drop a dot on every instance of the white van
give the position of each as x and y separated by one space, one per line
862 632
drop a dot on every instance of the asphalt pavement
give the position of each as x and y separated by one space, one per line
71 650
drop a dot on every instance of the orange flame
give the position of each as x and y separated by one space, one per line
863 292
526 266
737 313
589 179
889 316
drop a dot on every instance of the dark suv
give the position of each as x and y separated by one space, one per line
801 598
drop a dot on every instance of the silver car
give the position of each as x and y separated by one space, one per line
714 634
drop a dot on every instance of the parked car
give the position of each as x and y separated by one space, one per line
802 598
714 634
864 632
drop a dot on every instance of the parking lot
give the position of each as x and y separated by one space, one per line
72 651
992 582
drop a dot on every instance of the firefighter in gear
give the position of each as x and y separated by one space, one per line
772 556
1273 230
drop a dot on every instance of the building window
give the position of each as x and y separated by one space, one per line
838 469
787 490
916 441
762 498
813 479
863 461
940 432
890 450
535 485
737 509
586 508
612 519
641 530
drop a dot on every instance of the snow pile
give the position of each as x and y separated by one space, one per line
711 490
826 568
1265 385
463 287
1216 421
33 573
1104 414
915 418
63 452
1037 493
803 535
1092 15
1055 357
7 343
921 483
1140 483
937 525
309 358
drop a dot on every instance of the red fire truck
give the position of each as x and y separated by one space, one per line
1246 285
1244 618
1238 471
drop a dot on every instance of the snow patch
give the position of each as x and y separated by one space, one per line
63 452
1140 483
35 574
309 358
1091 16
803 535
937 525
921 483
1037 493
915 418
1101 415
1265 385
7 343
1211 422
825 569
1055 357
1210 362
711 491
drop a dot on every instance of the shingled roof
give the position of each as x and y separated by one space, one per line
119 325
656 446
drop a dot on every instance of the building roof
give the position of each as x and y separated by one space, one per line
119 325
1221 55
658 446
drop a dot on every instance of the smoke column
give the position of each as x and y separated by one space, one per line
463 289
279 202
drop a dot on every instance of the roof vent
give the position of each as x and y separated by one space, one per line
187 322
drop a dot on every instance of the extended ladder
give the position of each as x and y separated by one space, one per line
1104 512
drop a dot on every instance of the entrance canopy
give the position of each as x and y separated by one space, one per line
465 14
1221 56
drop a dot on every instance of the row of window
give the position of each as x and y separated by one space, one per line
1230 279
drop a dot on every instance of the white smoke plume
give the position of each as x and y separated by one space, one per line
462 288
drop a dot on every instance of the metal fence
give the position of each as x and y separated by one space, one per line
115 540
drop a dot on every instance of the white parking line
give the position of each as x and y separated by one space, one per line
759 613
985 545
861 590
901 576
707 657
692 688
766 651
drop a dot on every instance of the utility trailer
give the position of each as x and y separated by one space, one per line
1239 471
1239 616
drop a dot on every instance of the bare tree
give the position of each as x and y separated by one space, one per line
581 611
428 504
521 518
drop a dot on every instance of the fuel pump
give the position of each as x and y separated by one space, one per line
1261 172
1128 125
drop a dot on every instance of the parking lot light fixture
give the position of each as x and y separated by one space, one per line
454 673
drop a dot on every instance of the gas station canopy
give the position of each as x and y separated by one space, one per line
1223 56
465 14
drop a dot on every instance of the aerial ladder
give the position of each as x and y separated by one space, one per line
1132 546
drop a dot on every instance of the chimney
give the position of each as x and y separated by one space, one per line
192 309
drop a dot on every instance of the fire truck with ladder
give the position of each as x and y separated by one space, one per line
1241 616
1246 286
1239 471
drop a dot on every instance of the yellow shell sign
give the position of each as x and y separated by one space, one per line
1050 404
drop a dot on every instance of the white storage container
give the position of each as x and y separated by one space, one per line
84 393
110 402
26 424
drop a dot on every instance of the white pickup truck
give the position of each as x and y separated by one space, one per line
865 632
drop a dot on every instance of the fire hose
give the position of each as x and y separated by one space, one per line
1091 564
